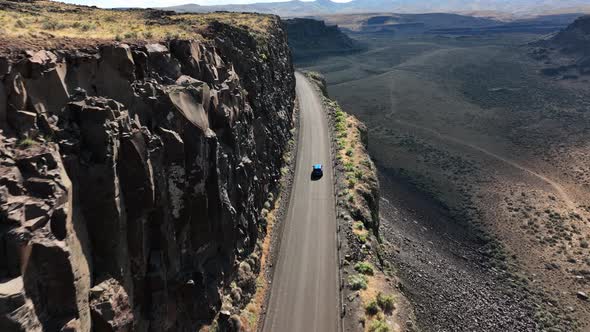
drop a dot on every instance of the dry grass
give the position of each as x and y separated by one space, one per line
376 285
350 149
55 19
392 319
359 230
249 316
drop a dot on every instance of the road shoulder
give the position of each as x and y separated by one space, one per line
369 295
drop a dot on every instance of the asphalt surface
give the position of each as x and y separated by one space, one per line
304 292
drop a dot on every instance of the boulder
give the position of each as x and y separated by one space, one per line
190 56
191 103
114 73
12 295
49 278
162 65
110 308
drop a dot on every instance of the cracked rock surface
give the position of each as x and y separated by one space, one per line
132 179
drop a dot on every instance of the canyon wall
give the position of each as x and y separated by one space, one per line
310 39
132 179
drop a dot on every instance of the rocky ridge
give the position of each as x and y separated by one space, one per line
576 37
566 55
312 38
133 179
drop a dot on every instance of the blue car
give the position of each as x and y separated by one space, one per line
317 172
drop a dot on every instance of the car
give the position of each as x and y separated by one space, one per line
317 171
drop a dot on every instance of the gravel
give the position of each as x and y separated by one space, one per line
443 273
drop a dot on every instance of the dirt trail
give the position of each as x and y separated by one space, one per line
556 186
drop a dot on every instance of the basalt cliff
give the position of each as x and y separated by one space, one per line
134 176
310 39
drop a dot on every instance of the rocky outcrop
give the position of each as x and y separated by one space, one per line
132 178
313 38
576 37
567 54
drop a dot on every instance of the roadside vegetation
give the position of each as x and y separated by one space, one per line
53 19
370 294
365 268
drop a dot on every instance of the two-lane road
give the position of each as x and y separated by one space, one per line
304 294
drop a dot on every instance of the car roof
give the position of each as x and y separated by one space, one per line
317 166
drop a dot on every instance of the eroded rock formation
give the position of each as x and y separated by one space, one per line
132 179
310 38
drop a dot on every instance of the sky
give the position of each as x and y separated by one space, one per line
163 3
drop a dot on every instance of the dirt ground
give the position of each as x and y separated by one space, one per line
472 130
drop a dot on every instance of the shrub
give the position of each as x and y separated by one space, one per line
358 225
362 237
372 308
26 142
357 281
358 174
51 25
584 244
349 167
385 302
130 35
20 24
378 325
364 268
87 27
148 34
349 152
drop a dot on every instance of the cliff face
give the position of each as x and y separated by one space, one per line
311 38
133 178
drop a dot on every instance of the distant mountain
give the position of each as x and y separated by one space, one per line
296 8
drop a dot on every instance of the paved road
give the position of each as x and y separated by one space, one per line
304 293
